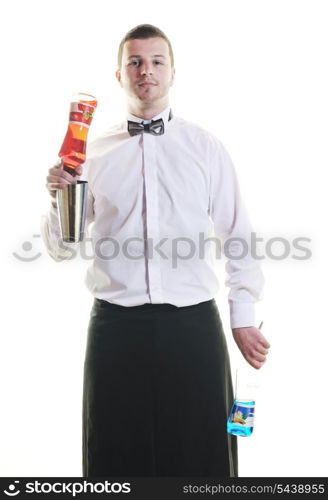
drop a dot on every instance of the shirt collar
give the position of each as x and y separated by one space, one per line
164 115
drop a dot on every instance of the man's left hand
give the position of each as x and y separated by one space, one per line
252 344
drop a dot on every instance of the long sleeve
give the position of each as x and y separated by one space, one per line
233 228
50 232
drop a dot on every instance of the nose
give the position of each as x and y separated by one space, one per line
146 68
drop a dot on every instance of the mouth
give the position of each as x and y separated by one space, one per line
147 84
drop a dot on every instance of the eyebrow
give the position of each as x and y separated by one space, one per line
157 55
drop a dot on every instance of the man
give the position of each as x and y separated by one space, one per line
157 382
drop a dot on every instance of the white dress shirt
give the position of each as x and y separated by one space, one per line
152 202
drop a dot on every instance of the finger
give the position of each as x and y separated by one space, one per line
57 185
59 165
58 175
73 170
261 349
264 342
259 357
256 364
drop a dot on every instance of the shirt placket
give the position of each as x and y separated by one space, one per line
152 219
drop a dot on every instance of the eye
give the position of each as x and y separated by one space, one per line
134 63
158 62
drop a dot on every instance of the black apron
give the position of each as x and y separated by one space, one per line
157 392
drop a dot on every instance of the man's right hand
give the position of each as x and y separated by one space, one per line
58 178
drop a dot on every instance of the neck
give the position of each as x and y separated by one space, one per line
146 111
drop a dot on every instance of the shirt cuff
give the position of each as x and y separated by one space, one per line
242 314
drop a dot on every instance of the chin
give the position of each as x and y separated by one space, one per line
148 99
152 93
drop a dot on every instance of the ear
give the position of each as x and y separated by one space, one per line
118 76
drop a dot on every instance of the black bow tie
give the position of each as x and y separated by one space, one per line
156 127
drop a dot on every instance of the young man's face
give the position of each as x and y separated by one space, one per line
146 73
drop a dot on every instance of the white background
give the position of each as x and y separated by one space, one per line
254 72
